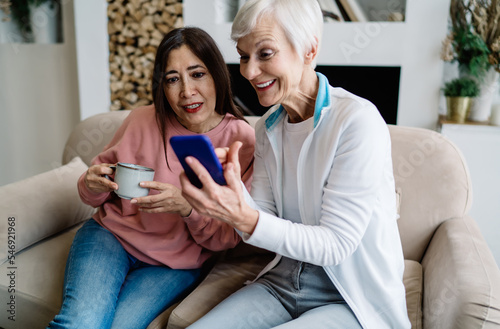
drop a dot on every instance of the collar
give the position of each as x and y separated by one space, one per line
322 100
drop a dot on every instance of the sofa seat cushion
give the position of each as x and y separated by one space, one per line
227 276
36 282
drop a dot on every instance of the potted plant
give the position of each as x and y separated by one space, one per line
467 49
463 44
459 93
36 20
474 42
16 15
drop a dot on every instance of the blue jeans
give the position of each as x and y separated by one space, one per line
292 295
105 287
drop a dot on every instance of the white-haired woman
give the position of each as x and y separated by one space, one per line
323 195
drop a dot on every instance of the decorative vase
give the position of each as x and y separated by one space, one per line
458 108
44 22
481 105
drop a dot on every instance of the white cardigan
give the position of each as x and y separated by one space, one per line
347 204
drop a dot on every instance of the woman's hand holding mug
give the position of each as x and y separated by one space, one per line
226 203
96 180
169 200
125 182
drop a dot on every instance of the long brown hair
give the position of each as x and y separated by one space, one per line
205 48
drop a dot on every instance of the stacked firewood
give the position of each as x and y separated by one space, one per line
136 28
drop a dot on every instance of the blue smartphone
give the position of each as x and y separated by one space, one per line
200 147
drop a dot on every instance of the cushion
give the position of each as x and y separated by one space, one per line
226 277
40 206
413 281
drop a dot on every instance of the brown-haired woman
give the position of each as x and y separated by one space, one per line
136 257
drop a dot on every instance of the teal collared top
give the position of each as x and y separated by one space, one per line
322 100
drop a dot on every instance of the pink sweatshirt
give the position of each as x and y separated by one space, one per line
169 239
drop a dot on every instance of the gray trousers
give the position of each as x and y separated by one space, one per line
294 295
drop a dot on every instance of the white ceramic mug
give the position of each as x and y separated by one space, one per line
128 176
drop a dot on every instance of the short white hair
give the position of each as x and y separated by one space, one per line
302 21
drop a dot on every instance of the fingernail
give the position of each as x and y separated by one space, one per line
133 201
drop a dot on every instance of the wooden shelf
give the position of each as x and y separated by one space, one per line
442 121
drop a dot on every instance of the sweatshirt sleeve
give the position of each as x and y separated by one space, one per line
211 233
88 197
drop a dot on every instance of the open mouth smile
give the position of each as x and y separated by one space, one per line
265 85
192 108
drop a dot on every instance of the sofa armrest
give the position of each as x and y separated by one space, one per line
461 279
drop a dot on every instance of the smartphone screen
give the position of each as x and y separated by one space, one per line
200 147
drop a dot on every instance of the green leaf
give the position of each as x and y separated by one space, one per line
461 87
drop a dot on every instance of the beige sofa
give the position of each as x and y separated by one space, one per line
451 278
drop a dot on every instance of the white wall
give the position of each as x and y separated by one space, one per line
480 147
38 103
414 45
91 24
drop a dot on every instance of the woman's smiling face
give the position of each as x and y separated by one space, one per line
190 91
271 64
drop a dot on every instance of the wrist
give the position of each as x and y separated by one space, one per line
251 219
186 212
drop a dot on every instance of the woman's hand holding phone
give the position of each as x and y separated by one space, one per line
222 153
226 203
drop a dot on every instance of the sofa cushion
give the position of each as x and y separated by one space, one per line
227 276
413 281
40 206
36 283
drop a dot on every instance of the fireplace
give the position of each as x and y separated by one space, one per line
378 84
